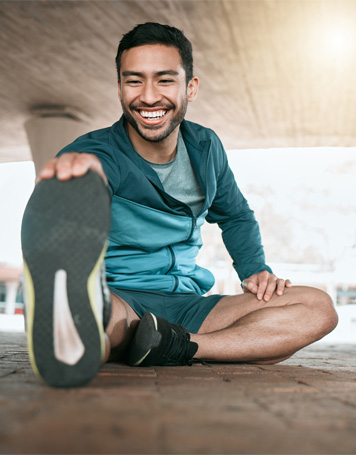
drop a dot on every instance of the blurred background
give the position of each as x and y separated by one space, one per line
276 85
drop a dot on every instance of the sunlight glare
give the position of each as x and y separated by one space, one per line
339 40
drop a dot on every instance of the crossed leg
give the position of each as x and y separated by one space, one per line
242 328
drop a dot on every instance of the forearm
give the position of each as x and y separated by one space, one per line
242 239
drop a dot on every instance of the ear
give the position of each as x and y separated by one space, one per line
192 89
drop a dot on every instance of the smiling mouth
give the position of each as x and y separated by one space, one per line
152 115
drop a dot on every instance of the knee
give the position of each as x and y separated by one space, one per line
325 314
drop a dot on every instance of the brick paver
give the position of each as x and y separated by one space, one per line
306 405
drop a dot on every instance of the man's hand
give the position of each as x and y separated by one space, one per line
264 284
71 165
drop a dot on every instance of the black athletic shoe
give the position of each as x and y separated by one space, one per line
158 342
64 239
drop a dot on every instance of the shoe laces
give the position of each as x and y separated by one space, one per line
178 348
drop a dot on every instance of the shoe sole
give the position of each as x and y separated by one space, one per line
64 238
146 338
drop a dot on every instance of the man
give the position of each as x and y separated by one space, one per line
165 176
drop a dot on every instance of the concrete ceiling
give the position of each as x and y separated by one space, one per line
273 73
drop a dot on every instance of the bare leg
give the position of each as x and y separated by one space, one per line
120 329
243 329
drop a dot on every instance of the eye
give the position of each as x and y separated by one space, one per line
132 82
167 81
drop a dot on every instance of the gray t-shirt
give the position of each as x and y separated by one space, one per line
178 178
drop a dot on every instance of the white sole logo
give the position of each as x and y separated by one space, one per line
68 346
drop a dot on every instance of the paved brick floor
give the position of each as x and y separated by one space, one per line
306 405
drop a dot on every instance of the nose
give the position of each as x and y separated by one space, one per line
150 93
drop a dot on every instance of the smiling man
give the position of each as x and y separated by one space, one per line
154 114
160 177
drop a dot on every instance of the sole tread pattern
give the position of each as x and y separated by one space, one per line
65 227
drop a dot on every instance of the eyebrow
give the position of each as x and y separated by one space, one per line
167 73
157 73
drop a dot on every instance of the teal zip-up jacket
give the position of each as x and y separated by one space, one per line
154 238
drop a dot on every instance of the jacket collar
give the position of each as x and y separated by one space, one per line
197 149
121 140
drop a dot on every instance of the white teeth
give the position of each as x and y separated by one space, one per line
153 115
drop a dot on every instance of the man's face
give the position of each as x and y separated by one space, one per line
153 90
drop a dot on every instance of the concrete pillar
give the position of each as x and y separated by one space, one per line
50 129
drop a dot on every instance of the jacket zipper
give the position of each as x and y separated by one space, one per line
191 214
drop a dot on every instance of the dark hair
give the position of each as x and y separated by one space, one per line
154 33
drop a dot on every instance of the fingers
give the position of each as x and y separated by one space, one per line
85 161
281 284
276 284
250 286
268 288
71 165
257 284
65 164
265 284
48 171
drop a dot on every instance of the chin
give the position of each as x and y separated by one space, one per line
154 138
157 136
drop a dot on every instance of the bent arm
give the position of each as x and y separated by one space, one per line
240 230
242 238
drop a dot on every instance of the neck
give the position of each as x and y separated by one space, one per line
155 152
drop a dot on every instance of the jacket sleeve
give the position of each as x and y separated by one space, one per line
240 230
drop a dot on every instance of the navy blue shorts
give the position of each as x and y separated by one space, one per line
185 308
